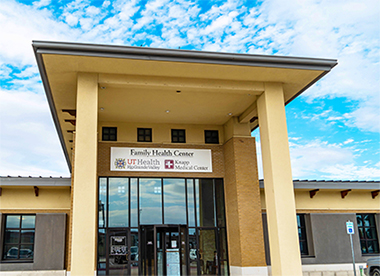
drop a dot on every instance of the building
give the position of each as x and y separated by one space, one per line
164 173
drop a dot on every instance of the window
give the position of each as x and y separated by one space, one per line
144 135
369 242
19 237
211 137
109 134
178 136
302 234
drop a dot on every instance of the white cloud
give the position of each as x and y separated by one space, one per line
28 142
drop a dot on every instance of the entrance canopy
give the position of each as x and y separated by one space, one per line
138 84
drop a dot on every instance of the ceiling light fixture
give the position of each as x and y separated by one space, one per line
230 114
167 111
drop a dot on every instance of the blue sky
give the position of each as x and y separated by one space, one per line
334 127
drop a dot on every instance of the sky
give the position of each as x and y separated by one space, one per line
333 127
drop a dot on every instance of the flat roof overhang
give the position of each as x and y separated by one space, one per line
139 84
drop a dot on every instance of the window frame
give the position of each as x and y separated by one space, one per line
109 128
181 133
20 243
365 240
211 132
145 135
301 228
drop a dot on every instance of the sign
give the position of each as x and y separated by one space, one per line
350 227
161 160
172 262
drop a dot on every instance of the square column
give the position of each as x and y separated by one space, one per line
243 207
278 183
83 244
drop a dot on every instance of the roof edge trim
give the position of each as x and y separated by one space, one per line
176 55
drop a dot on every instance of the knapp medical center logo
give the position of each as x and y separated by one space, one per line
160 159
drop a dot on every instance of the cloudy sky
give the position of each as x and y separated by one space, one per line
334 127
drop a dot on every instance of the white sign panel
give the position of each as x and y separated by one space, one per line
161 160
350 227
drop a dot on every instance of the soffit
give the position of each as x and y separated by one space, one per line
141 87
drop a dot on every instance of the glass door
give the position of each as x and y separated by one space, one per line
118 253
163 249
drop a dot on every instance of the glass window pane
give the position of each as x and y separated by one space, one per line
13 221
190 202
26 252
193 252
102 202
359 219
361 233
27 236
363 246
222 244
28 221
367 220
12 236
134 252
205 199
134 207
219 191
373 247
102 245
174 201
10 252
118 202
150 201
207 252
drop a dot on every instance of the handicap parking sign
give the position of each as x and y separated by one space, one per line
350 227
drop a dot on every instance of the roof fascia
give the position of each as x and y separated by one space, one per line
144 53
333 185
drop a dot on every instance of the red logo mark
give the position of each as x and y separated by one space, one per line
169 164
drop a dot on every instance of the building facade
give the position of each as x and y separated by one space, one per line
164 170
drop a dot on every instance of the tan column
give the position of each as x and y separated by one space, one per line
279 194
243 207
83 248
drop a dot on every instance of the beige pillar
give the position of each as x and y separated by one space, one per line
83 247
279 194
242 197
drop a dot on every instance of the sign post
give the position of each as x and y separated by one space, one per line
351 231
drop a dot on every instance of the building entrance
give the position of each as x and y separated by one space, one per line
161 226
164 250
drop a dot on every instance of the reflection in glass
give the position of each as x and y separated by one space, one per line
134 252
150 201
134 205
205 202
11 236
174 201
219 194
193 252
118 202
27 236
207 251
28 221
102 201
26 252
190 202
223 244
102 245
13 221
118 253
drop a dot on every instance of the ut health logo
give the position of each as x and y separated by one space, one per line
169 164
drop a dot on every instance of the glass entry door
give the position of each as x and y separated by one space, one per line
163 250
122 252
